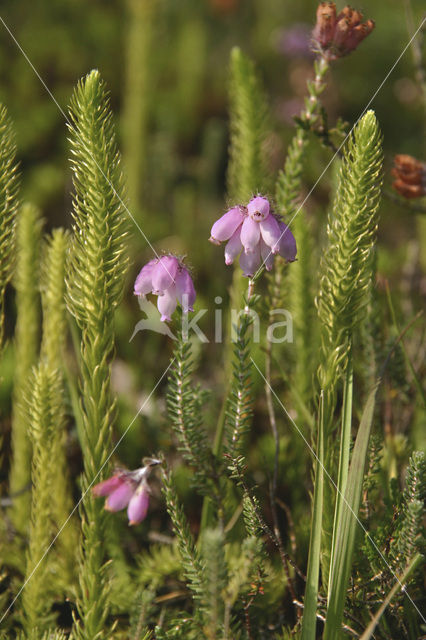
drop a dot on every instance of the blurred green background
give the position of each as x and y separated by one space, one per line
166 66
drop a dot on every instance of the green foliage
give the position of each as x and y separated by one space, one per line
94 289
215 580
52 288
410 534
247 171
240 401
346 524
186 407
27 329
237 580
9 185
43 410
347 264
192 563
53 345
300 284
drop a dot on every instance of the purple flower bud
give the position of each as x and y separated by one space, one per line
259 234
258 208
226 225
250 262
270 230
266 255
128 489
107 486
185 290
167 303
164 273
287 243
233 247
168 278
250 235
138 505
143 283
120 497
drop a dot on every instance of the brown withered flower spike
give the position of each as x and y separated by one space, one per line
410 176
335 35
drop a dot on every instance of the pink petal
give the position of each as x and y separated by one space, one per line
164 273
119 498
258 208
250 235
270 230
107 486
233 247
138 505
167 303
250 262
288 249
267 255
185 290
227 224
143 283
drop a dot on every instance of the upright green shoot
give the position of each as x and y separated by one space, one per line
247 171
27 330
43 410
347 268
94 289
52 284
9 184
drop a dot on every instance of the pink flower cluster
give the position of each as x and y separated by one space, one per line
169 279
256 233
128 489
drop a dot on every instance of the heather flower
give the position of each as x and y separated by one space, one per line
337 35
170 280
128 489
410 176
256 234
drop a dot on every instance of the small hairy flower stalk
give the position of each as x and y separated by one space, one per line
185 408
9 184
94 288
287 194
289 179
28 235
192 563
52 284
247 174
42 415
247 170
240 401
345 286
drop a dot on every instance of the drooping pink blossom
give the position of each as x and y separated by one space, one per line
169 279
128 489
256 234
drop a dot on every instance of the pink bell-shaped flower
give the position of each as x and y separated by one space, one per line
169 279
128 489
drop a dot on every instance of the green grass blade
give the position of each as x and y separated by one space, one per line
311 594
345 443
347 524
